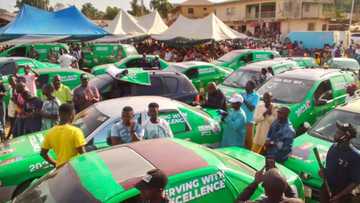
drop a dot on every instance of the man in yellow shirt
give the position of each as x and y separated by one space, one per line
66 140
62 92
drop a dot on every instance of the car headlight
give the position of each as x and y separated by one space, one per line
9 161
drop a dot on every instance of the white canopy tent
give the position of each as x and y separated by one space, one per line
206 28
153 23
125 24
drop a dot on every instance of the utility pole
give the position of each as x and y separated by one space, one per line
351 13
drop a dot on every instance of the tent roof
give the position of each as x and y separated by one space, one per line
34 21
124 24
29 39
206 28
153 23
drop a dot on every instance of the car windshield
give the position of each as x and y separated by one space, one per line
286 90
230 56
58 186
176 68
101 81
89 120
345 65
326 127
241 77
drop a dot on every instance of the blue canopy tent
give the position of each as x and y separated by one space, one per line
66 22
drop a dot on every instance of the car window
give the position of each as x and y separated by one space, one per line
286 90
323 92
18 51
8 68
171 84
102 134
192 73
280 69
240 77
176 120
89 120
156 88
230 56
326 127
133 63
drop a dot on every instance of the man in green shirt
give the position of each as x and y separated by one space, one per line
62 92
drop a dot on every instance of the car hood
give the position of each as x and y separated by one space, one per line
22 146
229 91
302 159
256 161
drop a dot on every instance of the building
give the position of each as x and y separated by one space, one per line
195 8
283 16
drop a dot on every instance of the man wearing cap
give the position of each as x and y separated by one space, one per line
280 136
152 187
234 123
342 170
85 95
251 100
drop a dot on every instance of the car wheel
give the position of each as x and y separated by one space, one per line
21 188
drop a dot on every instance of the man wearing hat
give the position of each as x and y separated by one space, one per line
280 136
342 170
234 123
152 187
85 95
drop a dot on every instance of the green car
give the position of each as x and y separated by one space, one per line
201 73
309 93
302 159
238 58
198 175
42 49
133 61
236 81
20 160
305 62
101 53
343 64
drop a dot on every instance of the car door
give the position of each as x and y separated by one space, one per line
323 98
179 125
339 84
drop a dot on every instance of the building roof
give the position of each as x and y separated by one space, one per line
196 3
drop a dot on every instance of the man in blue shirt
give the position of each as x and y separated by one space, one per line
127 130
234 123
251 100
280 137
342 170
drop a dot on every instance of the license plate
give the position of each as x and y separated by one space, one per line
307 191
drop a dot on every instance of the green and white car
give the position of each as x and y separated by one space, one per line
133 61
196 174
236 81
343 64
239 58
309 93
201 73
103 53
302 159
21 163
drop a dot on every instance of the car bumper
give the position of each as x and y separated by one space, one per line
6 193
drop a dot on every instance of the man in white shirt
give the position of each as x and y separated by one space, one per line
156 127
66 60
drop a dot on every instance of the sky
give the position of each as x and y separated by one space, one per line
99 4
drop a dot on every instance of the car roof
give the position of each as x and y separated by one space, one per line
52 70
247 50
310 74
353 106
189 64
257 66
138 103
342 59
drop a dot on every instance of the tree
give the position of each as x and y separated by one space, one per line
111 12
90 11
162 6
42 4
138 9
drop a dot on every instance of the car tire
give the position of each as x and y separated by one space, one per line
21 188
